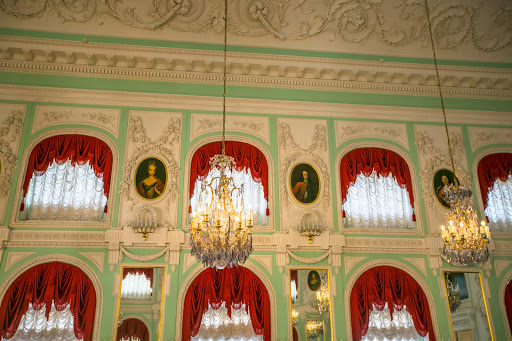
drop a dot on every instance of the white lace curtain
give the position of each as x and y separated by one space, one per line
382 328
499 206
136 287
35 327
66 192
254 197
377 202
217 325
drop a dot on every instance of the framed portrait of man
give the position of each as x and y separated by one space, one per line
304 183
442 178
150 178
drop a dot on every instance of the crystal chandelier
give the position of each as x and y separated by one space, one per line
453 295
295 317
221 228
315 328
322 297
465 242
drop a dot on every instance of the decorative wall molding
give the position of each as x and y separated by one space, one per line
250 69
500 265
12 117
20 238
15 257
377 244
419 263
97 258
201 124
350 262
265 260
49 116
143 258
311 260
480 137
352 22
348 130
188 262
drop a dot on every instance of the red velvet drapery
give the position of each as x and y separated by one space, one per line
508 303
387 284
78 149
382 161
246 157
490 168
148 272
133 328
40 285
294 276
234 286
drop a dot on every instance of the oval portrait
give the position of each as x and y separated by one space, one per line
304 183
150 178
314 280
443 178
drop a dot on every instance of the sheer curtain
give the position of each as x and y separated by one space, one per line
136 286
254 196
217 325
34 326
499 205
381 327
377 201
66 192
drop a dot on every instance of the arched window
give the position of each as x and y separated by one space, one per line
132 330
137 284
376 190
67 178
51 301
495 177
227 304
388 304
508 303
250 169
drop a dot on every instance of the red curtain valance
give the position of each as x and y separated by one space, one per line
40 285
508 303
382 161
246 157
490 168
148 272
234 286
385 284
133 328
79 149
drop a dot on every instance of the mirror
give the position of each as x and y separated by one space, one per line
140 303
310 304
467 306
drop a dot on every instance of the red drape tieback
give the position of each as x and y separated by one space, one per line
246 157
43 284
79 149
491 168
368 160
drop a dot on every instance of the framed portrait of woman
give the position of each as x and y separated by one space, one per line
314 280
442 178
150 178
304 183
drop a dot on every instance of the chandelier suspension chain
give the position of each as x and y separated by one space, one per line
439 86
224 78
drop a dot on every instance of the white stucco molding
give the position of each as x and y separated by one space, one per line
393 263
91 274
255 269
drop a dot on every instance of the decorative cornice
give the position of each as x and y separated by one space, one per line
45 56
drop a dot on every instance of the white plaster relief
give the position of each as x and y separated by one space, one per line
15 257
348 130
500 265
419 263
304 140
152 134
97 258
480 136
255 125
350 262
188 261
265 260
432 146
11 124
47 116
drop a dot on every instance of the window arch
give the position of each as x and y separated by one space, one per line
251 169
495 178
387 303
233 295
132 329
376 189
67 178
49 295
